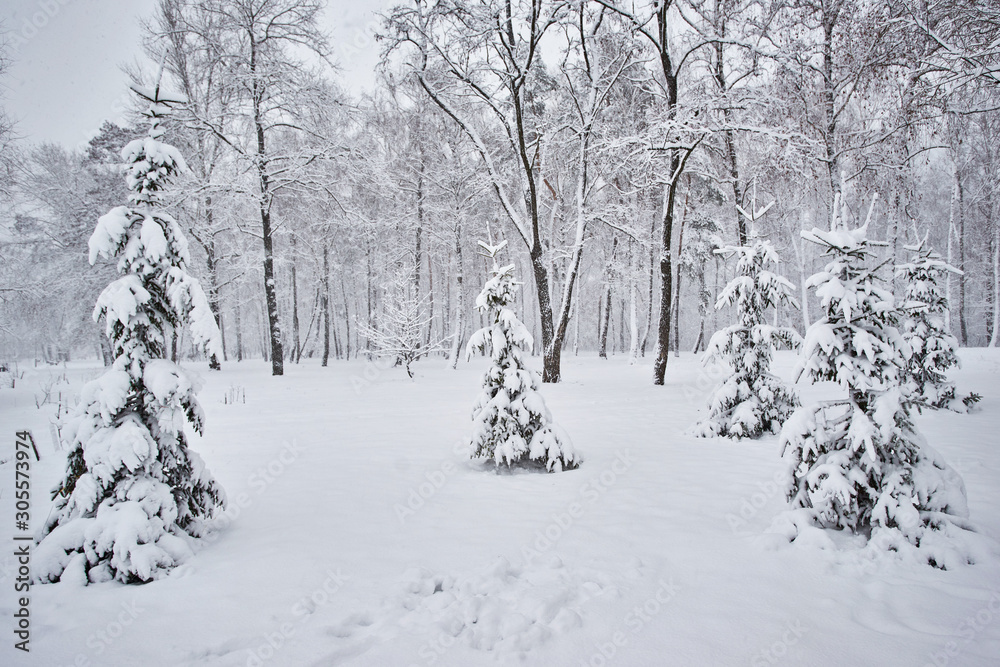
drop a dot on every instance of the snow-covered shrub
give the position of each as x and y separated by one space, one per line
402 331
512 424
751 400
134 493
859 463
924 330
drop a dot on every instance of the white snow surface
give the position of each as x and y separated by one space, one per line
359 534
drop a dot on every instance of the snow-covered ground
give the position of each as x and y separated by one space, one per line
358 533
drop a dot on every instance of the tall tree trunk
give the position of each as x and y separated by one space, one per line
962 328
270 290
996 281
677 315
106 354
704 303
600 317
430 297
239 332
418 234
551 354
829 20
576 328
336 342
325 305
947 276
652 284
456 343
621 326
633 298
677 288
347 319
670 196
265 347
602 346
369 291
213 284
727 133
602 349
666 280
296 344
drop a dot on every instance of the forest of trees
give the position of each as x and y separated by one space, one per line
612 144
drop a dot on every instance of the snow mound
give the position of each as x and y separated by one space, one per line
503 610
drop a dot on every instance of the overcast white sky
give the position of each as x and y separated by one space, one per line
65 76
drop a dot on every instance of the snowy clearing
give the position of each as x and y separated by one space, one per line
359 533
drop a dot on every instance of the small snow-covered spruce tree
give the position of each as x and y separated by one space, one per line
512 425
134 494
752 400
924 331
858 463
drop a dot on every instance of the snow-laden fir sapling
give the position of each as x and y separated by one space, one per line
512 425
933 346
859 463
751 400
134 495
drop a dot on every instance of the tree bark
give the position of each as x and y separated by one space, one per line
677 287
962 328
270 291
996 281
666 252
456 343
666 286
347 319
602 346
213 284
239 332
829 20
602 350
727 133
652 283
325 305
296 344
633 298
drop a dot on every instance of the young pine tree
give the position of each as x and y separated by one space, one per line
752 400
933 346
134 494
858 463
512 425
